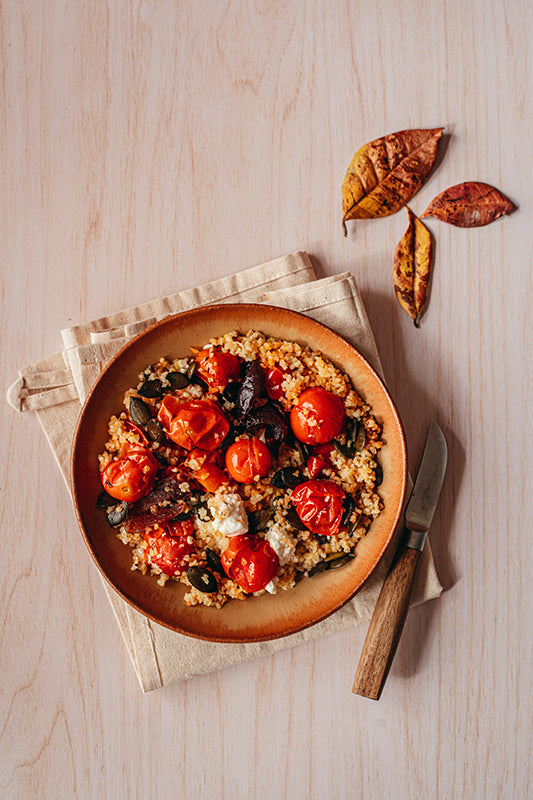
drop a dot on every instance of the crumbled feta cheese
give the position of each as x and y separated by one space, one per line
272 586
229 515
281 542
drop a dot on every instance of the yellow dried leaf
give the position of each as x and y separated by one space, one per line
413 260
385 174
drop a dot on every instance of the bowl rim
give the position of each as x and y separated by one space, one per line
260 308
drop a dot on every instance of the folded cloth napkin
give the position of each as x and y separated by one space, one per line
56 387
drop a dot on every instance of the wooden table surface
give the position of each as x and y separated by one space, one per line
148 146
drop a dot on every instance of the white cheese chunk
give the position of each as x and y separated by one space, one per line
229 515
281 542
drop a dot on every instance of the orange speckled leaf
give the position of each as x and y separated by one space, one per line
469 205
385 174
413 260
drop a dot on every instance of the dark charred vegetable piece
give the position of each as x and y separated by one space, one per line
286 478
118 514
178 380
154 431
251 388
320 567
183 516
231 391
268 417
294 520
162 460
378 472
335 560
258 519
140 412
104 500
202 579
213 561
151 389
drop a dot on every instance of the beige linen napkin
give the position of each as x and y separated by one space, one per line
56 386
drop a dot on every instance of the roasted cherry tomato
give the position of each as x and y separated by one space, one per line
315 466
205 470
131 476
248 459
273 379
251 562
318 416
319 459
319 506
217 368
195 423
169 549
131 426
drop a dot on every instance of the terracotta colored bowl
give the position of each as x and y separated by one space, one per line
256 618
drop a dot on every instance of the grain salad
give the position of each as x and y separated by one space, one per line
241 469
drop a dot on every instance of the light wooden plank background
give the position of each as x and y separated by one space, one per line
150 145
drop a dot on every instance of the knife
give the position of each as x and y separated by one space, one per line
391 608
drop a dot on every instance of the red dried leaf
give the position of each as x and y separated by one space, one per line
384 174
469 205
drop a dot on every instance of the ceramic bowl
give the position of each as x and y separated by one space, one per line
256 618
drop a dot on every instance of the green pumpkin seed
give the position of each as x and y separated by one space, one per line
154 431
335 560
178 380
151 389
378 473
140 412
118 514
202 579
320 567
347 450
257 520
213 561
349 508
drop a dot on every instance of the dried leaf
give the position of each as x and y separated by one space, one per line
413 260
384 174
469 205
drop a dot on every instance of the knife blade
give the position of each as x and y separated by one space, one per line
392 605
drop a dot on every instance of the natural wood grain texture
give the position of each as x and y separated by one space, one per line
386 625
147 146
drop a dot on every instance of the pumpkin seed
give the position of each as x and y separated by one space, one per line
347 450
118 514
286 478
349 508
213 561
178 380
360 439
154 431
202 579
140 412
151 389
378 473
320 567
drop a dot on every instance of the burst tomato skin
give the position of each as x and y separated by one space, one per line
318 416
131 476
251 562
205 470
247 459
195 423
319 504
217 368
169 548
315 466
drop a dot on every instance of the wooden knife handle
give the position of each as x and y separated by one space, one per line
386 624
